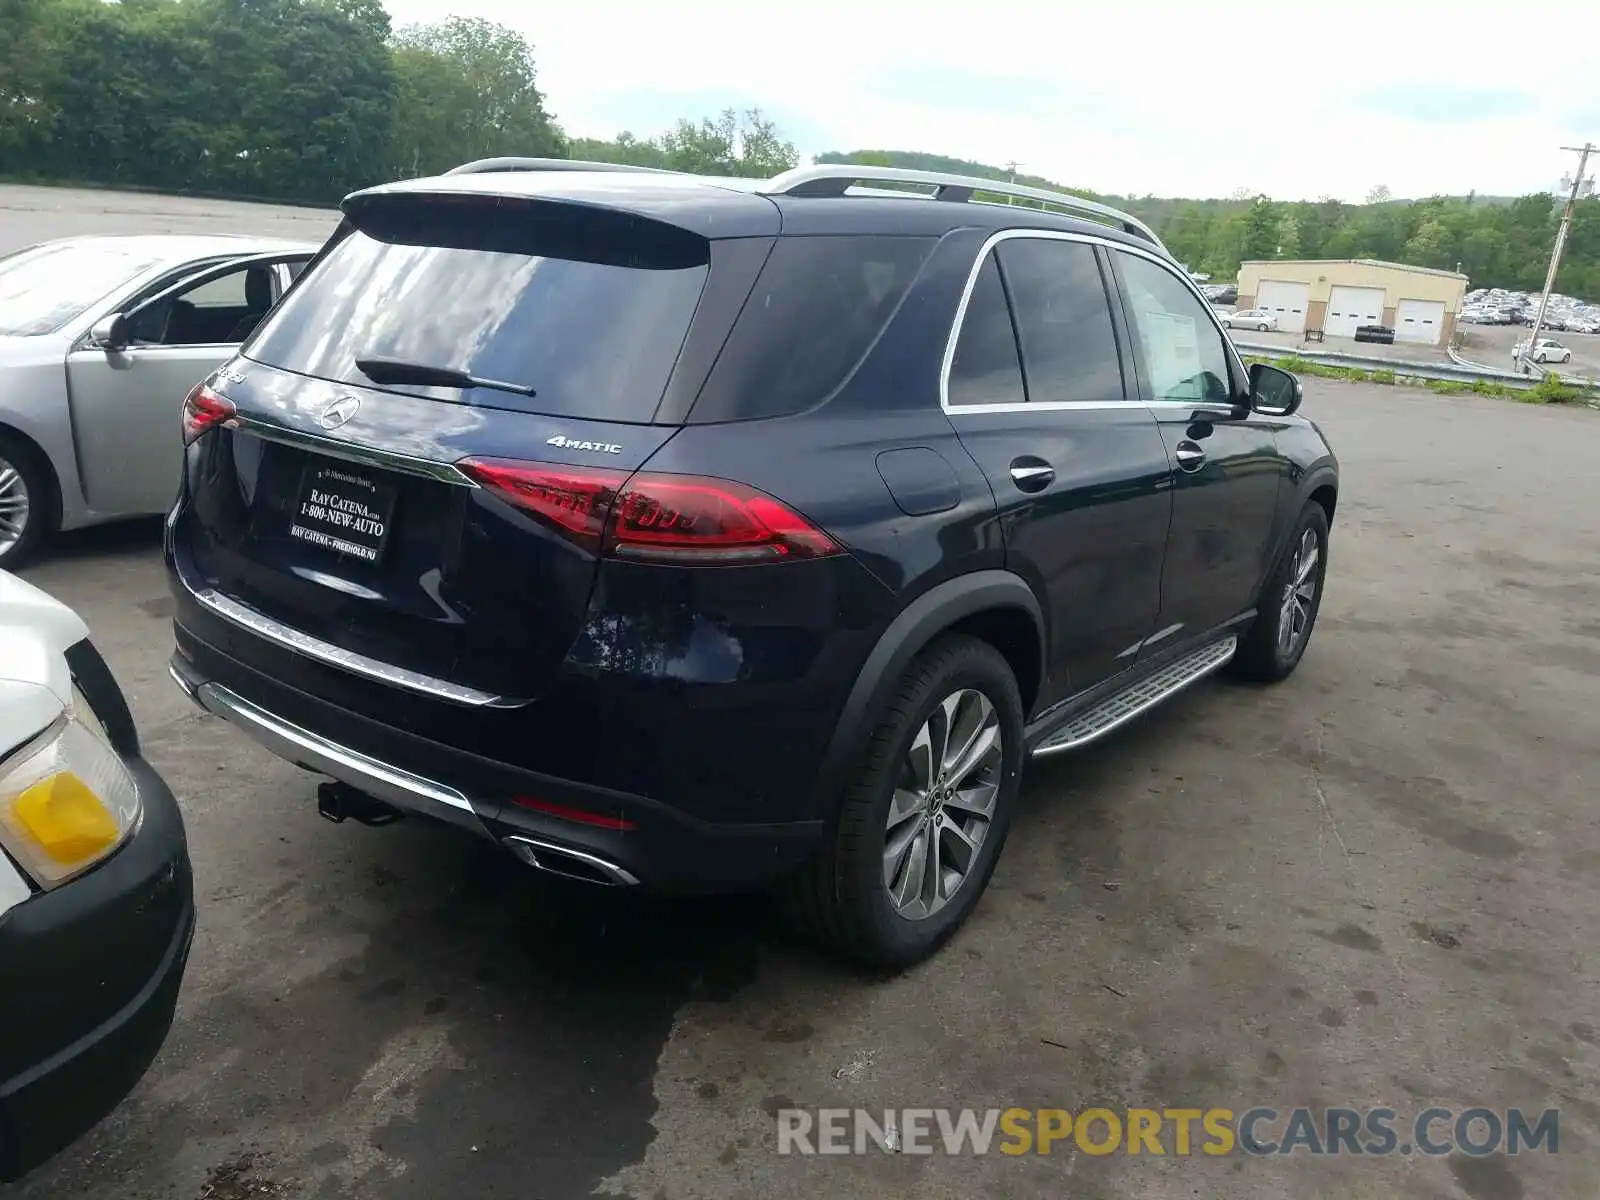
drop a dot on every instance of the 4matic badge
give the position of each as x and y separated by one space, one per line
566 443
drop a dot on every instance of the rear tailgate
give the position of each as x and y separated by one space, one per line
350 513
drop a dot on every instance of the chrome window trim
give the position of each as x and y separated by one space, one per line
1061 235
300 642
370 456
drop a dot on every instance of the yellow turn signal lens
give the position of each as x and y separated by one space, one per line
66 819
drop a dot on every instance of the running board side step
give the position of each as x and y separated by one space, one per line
1124 706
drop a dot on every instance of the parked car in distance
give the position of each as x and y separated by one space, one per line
100 340
1374 333
1223 294
1546 350
887 497
1250 318
96 899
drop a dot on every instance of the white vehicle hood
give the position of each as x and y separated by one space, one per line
35 682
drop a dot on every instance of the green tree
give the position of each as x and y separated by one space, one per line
27 80
624 148
1430 246
467 89
1260 232
733 143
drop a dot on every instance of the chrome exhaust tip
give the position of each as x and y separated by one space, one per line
568 863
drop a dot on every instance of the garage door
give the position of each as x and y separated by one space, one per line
1286 301
1352 306
1419 321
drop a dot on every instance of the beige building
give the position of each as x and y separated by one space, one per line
1337 294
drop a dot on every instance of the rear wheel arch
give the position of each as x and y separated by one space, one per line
994 605
1327 495
1013 632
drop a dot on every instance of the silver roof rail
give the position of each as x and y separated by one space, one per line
486 166
837 179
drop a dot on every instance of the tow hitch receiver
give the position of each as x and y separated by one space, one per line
339 801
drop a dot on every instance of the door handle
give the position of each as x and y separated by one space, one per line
1190 456
1032 474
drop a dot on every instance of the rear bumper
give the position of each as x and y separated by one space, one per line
653 846
92 974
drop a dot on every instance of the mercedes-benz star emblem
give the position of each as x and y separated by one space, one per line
338 412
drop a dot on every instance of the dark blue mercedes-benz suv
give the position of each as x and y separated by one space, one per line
687 533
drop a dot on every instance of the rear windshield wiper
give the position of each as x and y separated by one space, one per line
393 370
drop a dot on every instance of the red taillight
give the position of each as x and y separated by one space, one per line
580 815
202 409
576 499
684 519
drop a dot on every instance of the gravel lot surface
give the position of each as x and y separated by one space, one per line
1377 883
38 214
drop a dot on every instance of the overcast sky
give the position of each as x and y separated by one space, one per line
1131 97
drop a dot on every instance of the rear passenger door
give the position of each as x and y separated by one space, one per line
1039 387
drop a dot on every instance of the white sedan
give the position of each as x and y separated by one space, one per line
1547 350
100 340
1250 318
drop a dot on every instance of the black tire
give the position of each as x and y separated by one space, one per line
1263 656
39 486
841 898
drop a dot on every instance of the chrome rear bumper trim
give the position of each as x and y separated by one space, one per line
337 656
355 452
401 788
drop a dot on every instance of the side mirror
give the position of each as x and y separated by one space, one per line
1273 391
111 333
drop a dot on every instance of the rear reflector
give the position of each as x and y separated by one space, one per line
580 815
652 517
203 409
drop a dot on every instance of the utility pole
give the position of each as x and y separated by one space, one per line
1578 183
1011 171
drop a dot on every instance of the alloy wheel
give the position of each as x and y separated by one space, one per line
943 804
1299 594
14 506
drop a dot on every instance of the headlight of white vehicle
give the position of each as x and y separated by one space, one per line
66 799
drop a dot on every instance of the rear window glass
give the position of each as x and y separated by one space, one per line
591 325
816 309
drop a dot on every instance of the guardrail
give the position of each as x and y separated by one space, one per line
1459 370
1462 361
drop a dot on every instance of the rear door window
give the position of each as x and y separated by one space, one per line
1063 317
815 311
589 315
986 368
